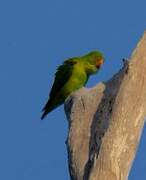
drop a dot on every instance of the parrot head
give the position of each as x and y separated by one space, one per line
94 60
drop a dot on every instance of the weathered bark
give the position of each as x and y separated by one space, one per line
106 122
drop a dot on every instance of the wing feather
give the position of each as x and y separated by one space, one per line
62 75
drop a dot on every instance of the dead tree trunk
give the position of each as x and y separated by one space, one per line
106 122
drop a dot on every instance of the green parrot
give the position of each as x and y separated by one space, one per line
70 76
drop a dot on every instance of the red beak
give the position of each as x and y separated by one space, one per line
99 63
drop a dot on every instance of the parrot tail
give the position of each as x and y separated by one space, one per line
51 105
48 108
46 111
44 114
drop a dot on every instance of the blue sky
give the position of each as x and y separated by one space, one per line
35 37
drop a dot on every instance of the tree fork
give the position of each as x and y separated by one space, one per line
106 122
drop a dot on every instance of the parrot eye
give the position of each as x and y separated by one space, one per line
99 62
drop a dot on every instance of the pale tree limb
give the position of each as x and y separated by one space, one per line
106 122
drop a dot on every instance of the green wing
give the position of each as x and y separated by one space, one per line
62 75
